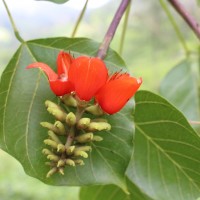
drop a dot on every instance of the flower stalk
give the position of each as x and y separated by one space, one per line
112 29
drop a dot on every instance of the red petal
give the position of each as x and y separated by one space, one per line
52 76
114 94
64 61
88 75
60 87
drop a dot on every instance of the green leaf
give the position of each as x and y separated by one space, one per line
181 87
166 161
112 192
22 96
56 1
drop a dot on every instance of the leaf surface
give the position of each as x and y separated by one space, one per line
181 87
166 161
112 192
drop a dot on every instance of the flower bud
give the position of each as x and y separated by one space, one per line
53 158
51 172
97 138
50 104
61 163
86 137
51 143
57 113
99 126
61 148
50 164
80 153
54 137
83 123
71 119
70 162
70 150
47 152
61 170
79 162
95 110
60 127
69 100
84 148
49 126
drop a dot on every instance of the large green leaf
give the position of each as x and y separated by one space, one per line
112 192
166 161
22 96
55 1
181 87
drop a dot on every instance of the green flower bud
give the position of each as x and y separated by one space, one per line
79 162
69 100
99 126
50 164
50 104
83 123
53 158
49 126
57 113
84 148
61 148
86 137
80 153
70 162
70 150
51 143
61 128
97 138
61 171
95 110
61 163
71 119
47 152
54 137
51 172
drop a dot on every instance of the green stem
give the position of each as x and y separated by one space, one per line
79 19
175 26
16 32
125 24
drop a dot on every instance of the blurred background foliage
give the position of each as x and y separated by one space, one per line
151 49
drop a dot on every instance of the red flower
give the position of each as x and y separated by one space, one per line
116 92
59 83
88 75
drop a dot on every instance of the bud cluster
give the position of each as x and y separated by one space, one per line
70 136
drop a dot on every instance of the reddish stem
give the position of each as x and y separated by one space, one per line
186 16
112 29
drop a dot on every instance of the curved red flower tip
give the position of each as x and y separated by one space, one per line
59 83
117 91
88 75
